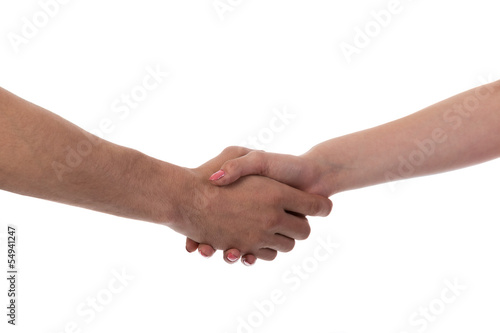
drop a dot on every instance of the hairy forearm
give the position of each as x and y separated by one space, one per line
457 132
45 156
48 157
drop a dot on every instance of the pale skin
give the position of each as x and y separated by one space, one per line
458 132
45 156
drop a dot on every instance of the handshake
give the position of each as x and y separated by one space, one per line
244 202
251 204
254 204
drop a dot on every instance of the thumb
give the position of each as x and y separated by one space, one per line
283 168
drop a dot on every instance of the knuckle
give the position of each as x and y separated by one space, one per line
314 206
229 149
255 154
272 222
323 207
273 197
320 206
229 166
257 158
236 150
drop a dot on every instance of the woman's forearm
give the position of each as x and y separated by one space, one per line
457 132
460 131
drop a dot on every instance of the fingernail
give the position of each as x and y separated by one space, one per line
231 257
245 262
203 254
218 175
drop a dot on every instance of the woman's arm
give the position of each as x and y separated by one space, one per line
460 131
44 156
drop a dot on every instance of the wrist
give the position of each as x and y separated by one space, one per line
335 166
176 206
155 190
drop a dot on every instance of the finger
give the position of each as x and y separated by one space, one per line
266 254
227 154
231 256
288 228
206 250
306 204
283 243
191 245
283 168
248 259
253 163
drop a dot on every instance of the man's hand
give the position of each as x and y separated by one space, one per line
303 172
46 156
254 214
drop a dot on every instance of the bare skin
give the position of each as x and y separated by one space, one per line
45 156
458 132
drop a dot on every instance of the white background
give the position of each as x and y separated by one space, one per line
398 245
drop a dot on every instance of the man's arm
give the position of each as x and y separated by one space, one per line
44 156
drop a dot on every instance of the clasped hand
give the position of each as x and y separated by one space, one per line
254 206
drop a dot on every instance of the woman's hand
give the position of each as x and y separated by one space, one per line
304 172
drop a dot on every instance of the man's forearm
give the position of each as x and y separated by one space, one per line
45 156
460 131
48 157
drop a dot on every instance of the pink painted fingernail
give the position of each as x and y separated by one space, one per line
231 257
245 262
218 175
